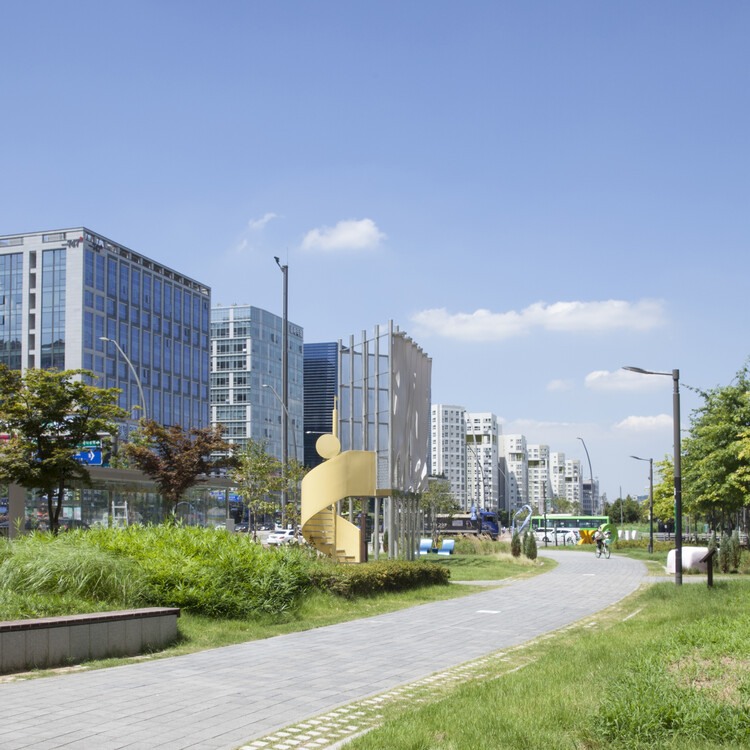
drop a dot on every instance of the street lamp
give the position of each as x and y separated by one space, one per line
286 414
650 501
591 477
132 369
284 377
677 467
284 451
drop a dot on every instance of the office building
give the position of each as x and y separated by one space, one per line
63 292
246 378
321 379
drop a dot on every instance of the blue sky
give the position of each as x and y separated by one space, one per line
537 192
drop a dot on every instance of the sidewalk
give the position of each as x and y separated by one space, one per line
220 699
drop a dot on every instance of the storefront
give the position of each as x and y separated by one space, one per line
117 497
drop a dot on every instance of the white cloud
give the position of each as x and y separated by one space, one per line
349 234
624 380
557 386
642 424
484 325
258 224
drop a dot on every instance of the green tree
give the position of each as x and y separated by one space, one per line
630 513
664 489
48 416
293 476
529 545
515 545
716 454
259 479
561 504
437 498
175 458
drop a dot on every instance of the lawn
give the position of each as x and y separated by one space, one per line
669 667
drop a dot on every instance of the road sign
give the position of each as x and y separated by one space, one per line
91 456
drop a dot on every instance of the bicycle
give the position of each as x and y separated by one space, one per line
602 549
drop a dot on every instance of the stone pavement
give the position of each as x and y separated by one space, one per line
222 698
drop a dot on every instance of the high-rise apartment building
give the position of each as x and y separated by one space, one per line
557 474
448 448
70 297
540 486
482 471
516 472
590 503
246 378
573 481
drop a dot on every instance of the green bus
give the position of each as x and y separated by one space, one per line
567 521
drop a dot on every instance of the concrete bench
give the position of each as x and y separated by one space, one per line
54 641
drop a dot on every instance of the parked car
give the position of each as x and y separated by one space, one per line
282 536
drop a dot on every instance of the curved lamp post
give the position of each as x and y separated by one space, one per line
675 375
650 501
591 476
132 369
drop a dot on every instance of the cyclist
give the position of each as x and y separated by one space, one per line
599 539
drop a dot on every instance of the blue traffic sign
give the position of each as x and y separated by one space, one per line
90 456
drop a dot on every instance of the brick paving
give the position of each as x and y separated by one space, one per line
237 695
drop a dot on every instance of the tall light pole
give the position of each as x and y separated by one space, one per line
284 376
289 420
591 476
677 467
650 501
132 369
285 422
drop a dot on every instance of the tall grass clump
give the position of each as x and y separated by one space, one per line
208 571
475 545
67 566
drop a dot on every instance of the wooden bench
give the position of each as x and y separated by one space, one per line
72 639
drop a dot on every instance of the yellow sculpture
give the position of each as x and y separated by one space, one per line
340 475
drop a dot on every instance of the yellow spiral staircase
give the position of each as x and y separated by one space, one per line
347 474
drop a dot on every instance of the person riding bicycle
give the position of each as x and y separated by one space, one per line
599 538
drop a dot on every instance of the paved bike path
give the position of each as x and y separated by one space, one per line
221 698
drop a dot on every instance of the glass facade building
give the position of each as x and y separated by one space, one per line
321 389
62 292
246 378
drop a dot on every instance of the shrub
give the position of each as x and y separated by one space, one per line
529 546
725 553
736 550
376 577
515 545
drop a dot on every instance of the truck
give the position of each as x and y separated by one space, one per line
481 522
